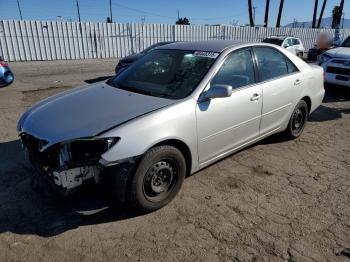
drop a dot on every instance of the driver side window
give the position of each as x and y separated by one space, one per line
237 70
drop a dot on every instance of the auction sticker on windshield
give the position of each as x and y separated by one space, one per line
206 54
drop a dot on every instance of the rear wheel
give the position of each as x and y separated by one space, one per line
297 120
157 179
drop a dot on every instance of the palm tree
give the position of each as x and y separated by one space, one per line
266 13
337 12
315 13
321 14
250 13
279 13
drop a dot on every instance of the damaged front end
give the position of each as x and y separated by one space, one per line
68 164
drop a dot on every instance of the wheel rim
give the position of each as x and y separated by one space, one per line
298 121
160 180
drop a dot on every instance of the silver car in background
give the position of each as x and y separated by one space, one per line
175 111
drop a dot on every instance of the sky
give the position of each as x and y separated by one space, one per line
165 11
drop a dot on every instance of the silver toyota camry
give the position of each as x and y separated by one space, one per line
176 110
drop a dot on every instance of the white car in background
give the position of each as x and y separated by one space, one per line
336 64
292 44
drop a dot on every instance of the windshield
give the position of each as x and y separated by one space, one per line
149 48
154 46
274 41
346 43
172 74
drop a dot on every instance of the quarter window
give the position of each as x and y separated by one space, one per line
272 63
237 70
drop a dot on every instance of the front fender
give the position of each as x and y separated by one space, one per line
137 136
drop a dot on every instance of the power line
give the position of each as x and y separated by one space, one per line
170 17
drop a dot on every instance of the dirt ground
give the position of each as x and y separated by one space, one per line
275 201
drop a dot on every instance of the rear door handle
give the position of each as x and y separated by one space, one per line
255 97
297 82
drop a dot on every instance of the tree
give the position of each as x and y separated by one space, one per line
183 21
278 23
266 13
315 14
321 14
109 20
336 16
250 10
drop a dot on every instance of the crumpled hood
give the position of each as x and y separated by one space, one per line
339 52
85 112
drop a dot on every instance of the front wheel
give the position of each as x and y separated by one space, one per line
297 120
157 179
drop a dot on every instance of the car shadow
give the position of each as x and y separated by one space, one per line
336 93
26 207
325 113
97 79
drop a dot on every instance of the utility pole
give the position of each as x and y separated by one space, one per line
278 23
78 11
266 13
178 14
80 29
19 10
110 10
321 14
315 13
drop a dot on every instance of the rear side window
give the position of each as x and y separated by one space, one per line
237 70
272 63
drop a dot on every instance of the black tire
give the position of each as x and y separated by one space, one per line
300 55
297 120
157 179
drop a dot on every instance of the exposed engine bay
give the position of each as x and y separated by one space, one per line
68 164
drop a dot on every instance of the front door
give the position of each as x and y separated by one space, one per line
226 123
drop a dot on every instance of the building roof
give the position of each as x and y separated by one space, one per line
209 45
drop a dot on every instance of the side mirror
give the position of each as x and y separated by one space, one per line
218 91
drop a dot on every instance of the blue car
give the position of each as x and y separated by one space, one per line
6 75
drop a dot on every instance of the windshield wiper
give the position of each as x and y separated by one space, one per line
139 91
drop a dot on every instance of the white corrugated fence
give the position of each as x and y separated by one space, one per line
53 40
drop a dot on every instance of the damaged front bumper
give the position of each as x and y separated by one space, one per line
67 165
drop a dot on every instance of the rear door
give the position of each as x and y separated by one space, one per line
281 82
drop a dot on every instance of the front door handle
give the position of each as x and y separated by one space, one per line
255 97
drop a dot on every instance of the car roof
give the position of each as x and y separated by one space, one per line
209 45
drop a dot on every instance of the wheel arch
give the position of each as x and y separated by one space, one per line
184 149
307 100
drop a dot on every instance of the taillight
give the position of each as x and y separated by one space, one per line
2 64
